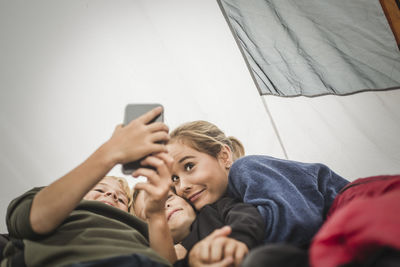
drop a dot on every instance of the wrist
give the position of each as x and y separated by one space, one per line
107 156
156 217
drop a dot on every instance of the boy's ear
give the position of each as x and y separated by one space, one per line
225 155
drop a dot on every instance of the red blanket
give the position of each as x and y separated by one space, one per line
364 217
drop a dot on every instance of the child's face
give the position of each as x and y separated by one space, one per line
179 213
109 191
198 177
180 216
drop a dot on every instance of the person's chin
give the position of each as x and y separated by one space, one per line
175 226
200 203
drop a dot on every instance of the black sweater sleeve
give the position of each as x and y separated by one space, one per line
247 224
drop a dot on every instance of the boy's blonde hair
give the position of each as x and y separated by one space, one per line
125 187
207 138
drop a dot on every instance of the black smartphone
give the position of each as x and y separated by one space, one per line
133 111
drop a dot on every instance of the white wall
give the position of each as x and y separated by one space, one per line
68 68
356 135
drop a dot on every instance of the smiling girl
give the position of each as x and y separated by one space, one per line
202 156
292 197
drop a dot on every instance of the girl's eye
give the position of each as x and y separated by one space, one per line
99 190
169 196
188 166
121 200
174 178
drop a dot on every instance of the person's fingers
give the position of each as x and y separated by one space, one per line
217 249
118 126
229 249
158 127
153 162
152 176
150 115
196 251
225 262
223 231
235 249
167 158
160 165
202 249
156 148
204 253
148 188
240 253
161 137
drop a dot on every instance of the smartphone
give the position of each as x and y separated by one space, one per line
133 111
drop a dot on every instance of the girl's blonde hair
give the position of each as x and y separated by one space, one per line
125 187
207 138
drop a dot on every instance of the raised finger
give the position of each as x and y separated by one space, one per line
148 188
161 137
153 162
168 161
152 176
150 115
223 231
167 158
155 148
160 166
203 247
158 127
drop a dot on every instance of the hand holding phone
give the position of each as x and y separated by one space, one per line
133 111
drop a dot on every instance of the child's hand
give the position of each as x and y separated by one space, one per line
158 183
139 139
156 191
218 250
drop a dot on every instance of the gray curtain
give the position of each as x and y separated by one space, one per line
315 47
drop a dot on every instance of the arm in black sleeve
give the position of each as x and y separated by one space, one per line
246 222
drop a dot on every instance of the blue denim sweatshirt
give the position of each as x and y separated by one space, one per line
292 197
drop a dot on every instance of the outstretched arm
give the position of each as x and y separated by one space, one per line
131 142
